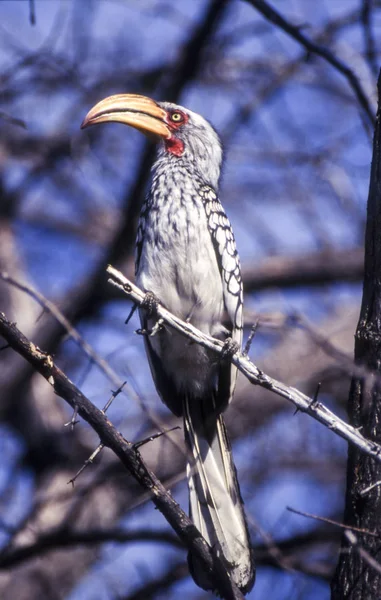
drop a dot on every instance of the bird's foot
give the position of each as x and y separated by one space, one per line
150 303
151 332
230 348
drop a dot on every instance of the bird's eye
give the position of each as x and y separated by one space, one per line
177 117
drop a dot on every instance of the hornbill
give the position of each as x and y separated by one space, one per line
186 257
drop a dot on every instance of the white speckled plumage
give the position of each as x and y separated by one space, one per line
186 255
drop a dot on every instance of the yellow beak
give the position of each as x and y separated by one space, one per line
137 111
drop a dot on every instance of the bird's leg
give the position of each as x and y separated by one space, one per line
150 304
230 348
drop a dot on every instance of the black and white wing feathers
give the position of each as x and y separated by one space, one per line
229 264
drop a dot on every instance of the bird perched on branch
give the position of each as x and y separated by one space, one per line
186 257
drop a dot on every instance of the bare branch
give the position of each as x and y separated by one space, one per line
370 47
95 358
63 537
332 522
316 268
51 308
317 410
274 17
128 455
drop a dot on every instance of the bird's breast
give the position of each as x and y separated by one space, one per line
178 263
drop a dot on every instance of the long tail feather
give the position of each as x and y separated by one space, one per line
216 507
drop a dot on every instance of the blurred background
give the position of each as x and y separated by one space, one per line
298 149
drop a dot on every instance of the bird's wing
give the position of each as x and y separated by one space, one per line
229 264
140 233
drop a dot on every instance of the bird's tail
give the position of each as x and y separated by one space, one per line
216 506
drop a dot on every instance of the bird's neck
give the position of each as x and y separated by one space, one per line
174 176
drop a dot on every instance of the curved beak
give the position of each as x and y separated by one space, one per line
139 112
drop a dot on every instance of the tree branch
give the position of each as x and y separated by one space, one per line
316 268
274 17
63 537
127 453
312 407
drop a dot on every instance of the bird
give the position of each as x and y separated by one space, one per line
186 259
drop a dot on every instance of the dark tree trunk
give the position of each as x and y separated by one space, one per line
356 578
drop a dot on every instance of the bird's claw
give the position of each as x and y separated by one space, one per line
151 332
230 348
150 304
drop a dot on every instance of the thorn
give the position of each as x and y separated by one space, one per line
314 401
296 411
154 437
252 333
113 396
157 327
151 332
73 421
87 462
132 311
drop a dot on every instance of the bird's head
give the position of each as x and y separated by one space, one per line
183 133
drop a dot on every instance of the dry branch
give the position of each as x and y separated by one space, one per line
316 268
311 406
274 17
128 455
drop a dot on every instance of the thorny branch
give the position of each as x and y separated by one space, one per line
94 357
128 455
312 407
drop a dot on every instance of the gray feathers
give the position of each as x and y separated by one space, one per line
186 255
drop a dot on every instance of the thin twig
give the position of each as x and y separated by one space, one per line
99 448
252 333
352 539
101 363
153 437
369 488
128 455
370 47
343 360
32 12
88 461
276 18
74 334
332 522
64 537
